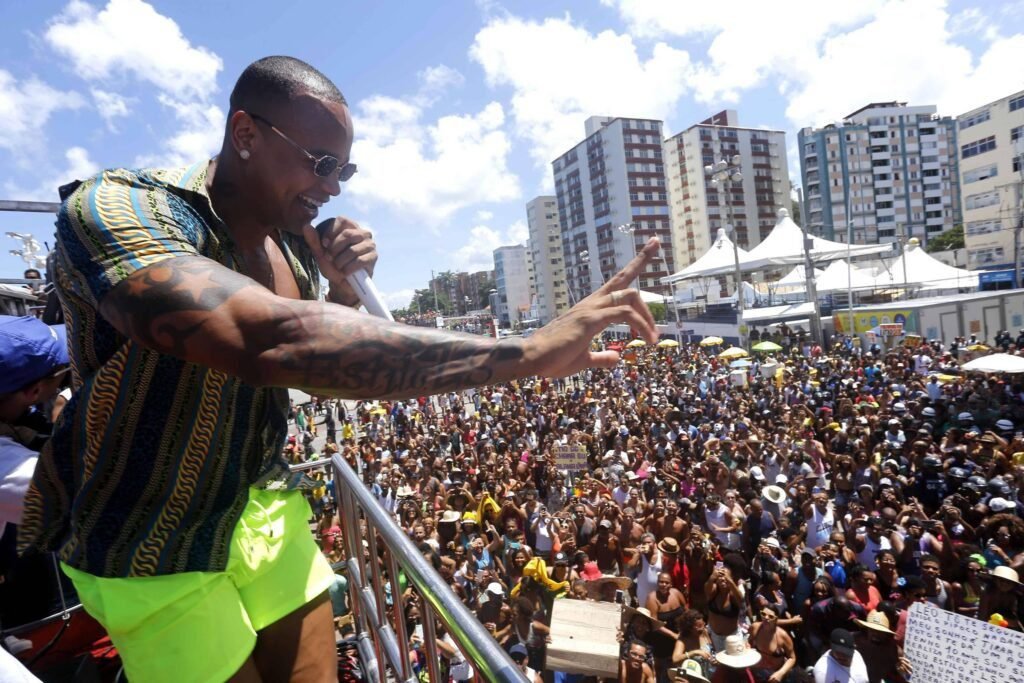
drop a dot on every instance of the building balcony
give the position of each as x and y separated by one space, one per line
937 220
880 182
928 138
879 128
881 156
933 193
931 166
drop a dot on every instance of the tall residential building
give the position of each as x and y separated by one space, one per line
991 179
513 277
545 247
893 165
611 199
699 208
464 291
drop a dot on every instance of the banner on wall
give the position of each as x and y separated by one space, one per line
866 320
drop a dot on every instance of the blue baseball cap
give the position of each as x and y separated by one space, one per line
518 650
29 350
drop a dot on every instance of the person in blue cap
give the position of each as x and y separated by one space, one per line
33 365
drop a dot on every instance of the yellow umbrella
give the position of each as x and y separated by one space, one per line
635 343
668 343
733 352
711 341
977 347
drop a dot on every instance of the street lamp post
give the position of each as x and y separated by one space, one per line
725 175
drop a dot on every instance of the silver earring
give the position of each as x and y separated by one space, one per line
244 154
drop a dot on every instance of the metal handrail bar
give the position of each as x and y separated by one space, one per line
29 207
437 599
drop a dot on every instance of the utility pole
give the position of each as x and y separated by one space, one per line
1020 213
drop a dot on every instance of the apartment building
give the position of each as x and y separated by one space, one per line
513 277
545 247
888 169
611 195
699 209
991 149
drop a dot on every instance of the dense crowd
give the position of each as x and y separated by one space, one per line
772 528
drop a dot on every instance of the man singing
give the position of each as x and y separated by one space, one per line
191 305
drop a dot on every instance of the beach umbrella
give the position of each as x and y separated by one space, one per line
978 347
997 362
711 341
636 343
733 352
668 343
766 346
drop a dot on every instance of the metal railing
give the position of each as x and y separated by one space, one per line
381 630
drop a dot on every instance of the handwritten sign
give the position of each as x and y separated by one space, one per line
944 646
571 457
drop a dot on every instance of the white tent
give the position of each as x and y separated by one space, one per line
840 276
750 295
996 362
796 277
654 297
924 272
784 246
718 260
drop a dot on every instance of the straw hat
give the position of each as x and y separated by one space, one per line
689 671
669 546
876 621
1005 573
774 494
450 517
737 655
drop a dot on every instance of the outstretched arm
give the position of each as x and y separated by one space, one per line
197 310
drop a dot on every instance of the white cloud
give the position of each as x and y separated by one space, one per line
430 171
478 252
78 166
434 80
130 37
25 109
483 215
200 136
824 58
561 74
110 106
398 299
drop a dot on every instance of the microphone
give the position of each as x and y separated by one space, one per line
369 295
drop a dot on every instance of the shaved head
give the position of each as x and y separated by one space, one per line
271 82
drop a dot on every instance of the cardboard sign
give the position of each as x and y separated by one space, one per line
891 329
584 638
571 457
944 646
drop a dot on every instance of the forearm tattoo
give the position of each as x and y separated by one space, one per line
195 309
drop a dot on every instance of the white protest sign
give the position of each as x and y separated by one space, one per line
944 646
571 457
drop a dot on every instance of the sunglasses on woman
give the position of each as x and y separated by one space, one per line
322 166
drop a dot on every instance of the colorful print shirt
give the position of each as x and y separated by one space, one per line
149 467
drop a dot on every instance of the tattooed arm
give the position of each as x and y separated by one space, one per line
202 312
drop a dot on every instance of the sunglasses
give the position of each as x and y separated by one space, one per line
322 166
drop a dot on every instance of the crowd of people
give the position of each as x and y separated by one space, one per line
776 529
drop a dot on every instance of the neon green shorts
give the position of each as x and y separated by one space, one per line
201 626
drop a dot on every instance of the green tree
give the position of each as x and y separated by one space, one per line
659 311
951 239
794 212
483 293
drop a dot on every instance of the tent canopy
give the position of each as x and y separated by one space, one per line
654 297
925 271
784 246
718 260
840 275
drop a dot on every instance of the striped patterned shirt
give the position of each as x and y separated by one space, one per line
150 464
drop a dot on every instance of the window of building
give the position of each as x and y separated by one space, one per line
981 199
977 147
983 173
1016 133
974 119
1017 103
982 227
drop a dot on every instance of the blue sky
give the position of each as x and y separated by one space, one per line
460 106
